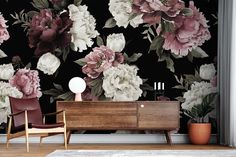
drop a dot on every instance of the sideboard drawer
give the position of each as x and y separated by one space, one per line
91 115
161 115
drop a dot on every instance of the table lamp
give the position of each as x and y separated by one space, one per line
77 85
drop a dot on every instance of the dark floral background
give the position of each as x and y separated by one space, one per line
150 66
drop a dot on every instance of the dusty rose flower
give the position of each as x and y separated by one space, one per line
4 35
189 32
87 95
214 81
27 82
154 10
163 98
48 32
100 59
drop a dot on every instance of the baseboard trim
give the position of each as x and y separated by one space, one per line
109 138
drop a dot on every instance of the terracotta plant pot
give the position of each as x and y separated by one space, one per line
199 133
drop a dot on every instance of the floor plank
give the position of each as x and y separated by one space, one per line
36 150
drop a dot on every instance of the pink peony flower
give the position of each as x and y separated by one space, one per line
48 32
154 10
27 81
163 98
100 59
4 35
189 32
214 81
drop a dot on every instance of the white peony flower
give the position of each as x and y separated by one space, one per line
4 109
121 83
195 95
121 10
83 28
6 71
116 42
48 63
7 90
207 71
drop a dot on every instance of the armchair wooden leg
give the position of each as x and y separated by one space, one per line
27 141
41 139
7 142
65 139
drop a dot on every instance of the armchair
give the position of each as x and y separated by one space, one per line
27 119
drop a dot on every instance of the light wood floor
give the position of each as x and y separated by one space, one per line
36 150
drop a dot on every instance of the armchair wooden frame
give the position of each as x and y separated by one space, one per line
42 132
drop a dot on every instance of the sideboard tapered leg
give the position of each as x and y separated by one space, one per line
168 137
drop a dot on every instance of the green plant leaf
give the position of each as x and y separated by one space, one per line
66 96
132 58
187 12
96 87
40 4
190 57
65 53
198 53
58 86
99 41
110 23
77 2
52 92
179 87
180 99
157 44
80 61
170 64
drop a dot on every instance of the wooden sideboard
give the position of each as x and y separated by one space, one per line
120 115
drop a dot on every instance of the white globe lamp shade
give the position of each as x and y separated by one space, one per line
77 85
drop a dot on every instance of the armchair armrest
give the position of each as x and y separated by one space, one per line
17 113
53 113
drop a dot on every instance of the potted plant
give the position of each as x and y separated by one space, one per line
199 129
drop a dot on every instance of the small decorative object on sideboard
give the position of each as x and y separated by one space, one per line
77 85
159 89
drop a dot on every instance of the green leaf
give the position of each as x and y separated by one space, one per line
167 26
132 58
198 53
32 13
99 41
110 23
65 52
180 99
179 87
77 2
187 12
28 66
66 96
157 44
52 92
80 61
96 87
58 86
170 64
40 4
190 57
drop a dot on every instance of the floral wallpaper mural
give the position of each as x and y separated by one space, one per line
121 48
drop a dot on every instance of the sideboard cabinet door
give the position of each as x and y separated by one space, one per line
99 115
158 115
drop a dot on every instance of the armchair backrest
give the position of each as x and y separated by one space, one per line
31 105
